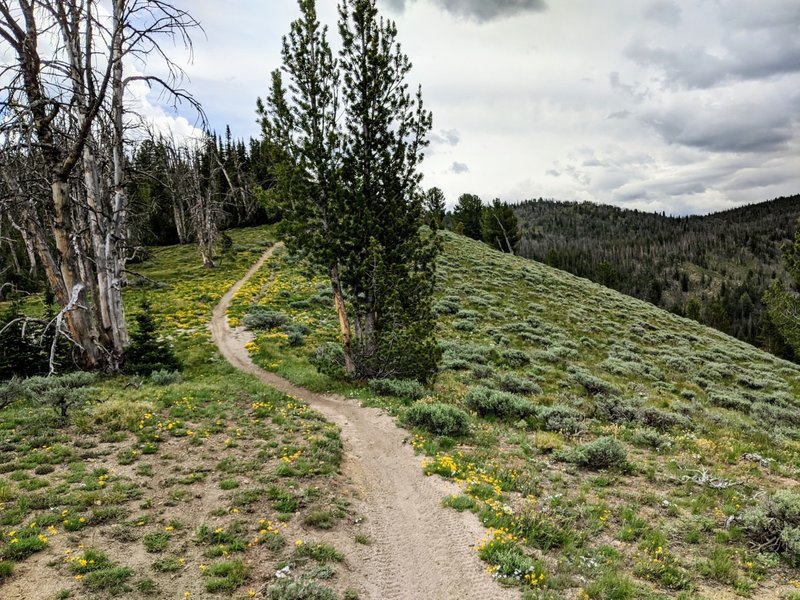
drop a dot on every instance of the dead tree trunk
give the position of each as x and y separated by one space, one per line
66 106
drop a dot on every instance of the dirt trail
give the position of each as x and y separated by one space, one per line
420 550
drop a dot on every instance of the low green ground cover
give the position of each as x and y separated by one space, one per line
176 485
612 449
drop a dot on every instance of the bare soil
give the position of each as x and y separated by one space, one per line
419 550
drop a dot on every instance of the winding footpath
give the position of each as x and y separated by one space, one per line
420 550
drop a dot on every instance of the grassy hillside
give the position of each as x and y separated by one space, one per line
713 268
615 450
201 485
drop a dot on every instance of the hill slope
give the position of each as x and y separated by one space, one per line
712 268
630 453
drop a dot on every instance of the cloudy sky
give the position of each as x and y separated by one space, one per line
685 106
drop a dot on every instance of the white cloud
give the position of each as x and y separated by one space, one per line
682 107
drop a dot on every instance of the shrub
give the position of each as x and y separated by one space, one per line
10 391
260 317
729 400
509 382
616 409
593 385
775 524
465 356
299 589
407 389
649 438
775 415
446 306
438 418
515 358
486 401
296 334
116 415
164 377
329 360
61 393
561 418
482 372
464 325
663 419
602 453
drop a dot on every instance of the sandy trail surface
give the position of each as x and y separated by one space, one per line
420 550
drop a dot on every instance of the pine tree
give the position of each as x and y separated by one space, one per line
783 304
499 227
146 352
435 208
349 187
467 216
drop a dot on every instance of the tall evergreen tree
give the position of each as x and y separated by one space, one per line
499 227
349 187
467 216
435 207
783 304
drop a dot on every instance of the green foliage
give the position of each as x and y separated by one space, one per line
98 572
329 136
602 453
611 586
591 383
329 360
299 589
438 418
321 552
509 382
156 542
561 418
261 317
168 564
486 401
499 227
226 576
467 216
515 358
111 580
10 391
713 269
146 352
25 343
434 208
164 377
775 524
407 389
62 392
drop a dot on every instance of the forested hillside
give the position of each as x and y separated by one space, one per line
178 193
712 268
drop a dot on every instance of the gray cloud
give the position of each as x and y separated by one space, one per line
620 114
481 11
666 12
738 128
445 137
746 54
458 168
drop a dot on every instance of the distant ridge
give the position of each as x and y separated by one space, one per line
713 268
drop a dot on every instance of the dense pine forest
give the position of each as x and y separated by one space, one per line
179 193
713 268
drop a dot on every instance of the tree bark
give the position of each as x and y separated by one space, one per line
344 321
